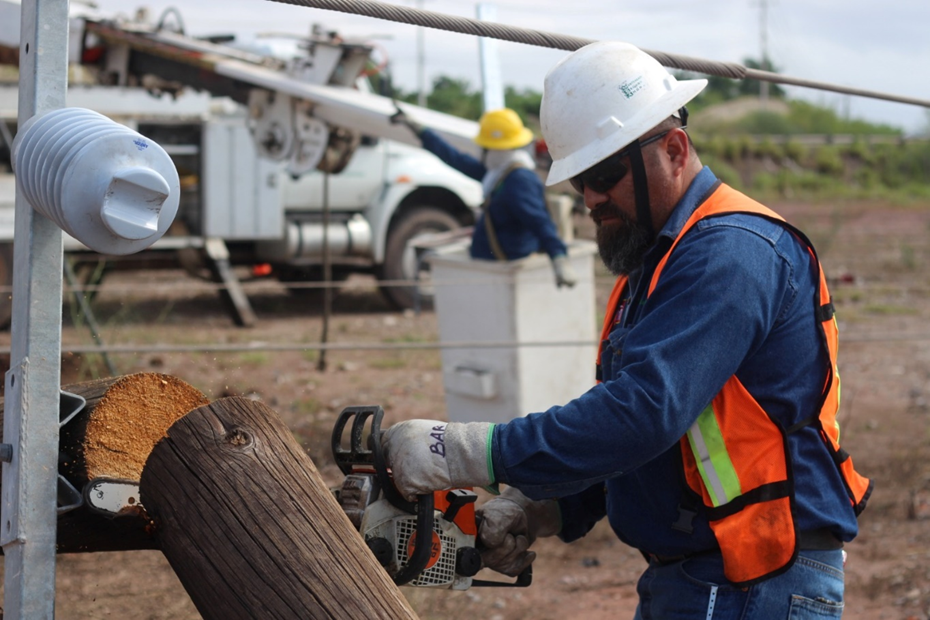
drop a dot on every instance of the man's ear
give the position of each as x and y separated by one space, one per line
678 151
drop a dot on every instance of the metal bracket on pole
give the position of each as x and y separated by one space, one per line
69 497
69 405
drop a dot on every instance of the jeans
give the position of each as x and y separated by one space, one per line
695 589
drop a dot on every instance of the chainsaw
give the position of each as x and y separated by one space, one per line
427 542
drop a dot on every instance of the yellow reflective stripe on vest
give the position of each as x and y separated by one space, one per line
839 392
713 462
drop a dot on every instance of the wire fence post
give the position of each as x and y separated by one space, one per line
29 516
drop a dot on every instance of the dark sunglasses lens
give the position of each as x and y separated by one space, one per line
577 183
604 176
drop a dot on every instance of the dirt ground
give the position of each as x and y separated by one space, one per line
877 257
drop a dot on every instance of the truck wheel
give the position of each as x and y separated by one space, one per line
400 261
298 275
6 281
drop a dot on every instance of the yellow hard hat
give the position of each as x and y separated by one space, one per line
502 130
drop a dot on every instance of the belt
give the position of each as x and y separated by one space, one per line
819 540
822 539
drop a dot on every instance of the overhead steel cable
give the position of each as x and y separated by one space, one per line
465 25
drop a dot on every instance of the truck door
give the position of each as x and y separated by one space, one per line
353 189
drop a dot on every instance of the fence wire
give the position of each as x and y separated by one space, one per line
271 347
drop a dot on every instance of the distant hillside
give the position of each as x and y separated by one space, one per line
736 110
790 149
781 117
876 166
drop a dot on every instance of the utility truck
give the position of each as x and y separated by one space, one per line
282 162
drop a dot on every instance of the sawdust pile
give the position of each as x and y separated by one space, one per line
134 414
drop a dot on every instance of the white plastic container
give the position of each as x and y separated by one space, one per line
481 301
109 187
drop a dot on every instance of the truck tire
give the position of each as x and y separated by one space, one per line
400 262
6 281
299 275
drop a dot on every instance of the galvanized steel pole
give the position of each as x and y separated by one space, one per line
28 516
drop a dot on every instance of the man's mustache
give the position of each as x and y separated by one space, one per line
608 211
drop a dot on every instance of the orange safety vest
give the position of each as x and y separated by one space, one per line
749 500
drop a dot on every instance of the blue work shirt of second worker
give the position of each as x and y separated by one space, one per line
735 297
517 208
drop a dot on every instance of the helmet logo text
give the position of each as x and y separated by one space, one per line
631 87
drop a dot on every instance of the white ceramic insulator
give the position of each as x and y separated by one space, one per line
109 187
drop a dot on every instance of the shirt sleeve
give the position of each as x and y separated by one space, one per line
463 162
581 512
719 295
524 197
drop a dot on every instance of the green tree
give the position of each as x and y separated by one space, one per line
456 97
754 87
720 89
453 96
526 103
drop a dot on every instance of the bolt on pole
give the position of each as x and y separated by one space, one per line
28 513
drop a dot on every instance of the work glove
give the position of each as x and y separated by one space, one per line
510 524
401 118
428 455
564 274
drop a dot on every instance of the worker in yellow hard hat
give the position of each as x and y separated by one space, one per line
514 221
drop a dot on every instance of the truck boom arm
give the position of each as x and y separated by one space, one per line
309 110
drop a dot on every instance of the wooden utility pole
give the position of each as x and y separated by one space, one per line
250 528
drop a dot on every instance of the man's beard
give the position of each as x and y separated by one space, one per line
622 245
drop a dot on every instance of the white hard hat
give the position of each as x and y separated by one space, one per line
601 98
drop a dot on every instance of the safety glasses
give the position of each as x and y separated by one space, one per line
605 174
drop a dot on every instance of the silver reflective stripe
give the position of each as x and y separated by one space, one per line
711 602
708 471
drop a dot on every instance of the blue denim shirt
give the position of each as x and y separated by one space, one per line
518 207
735 297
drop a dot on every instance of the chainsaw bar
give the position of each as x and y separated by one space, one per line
112 497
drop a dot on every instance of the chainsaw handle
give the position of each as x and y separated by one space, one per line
381 471
372 455
524 579
356 454
417 561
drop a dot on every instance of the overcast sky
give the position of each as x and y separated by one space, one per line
880 46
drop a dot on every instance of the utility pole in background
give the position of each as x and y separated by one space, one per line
764 44
421 63
492 86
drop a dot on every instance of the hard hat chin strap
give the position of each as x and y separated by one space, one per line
641 190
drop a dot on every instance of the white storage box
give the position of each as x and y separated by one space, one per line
501 304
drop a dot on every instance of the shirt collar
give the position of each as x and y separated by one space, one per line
691 200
